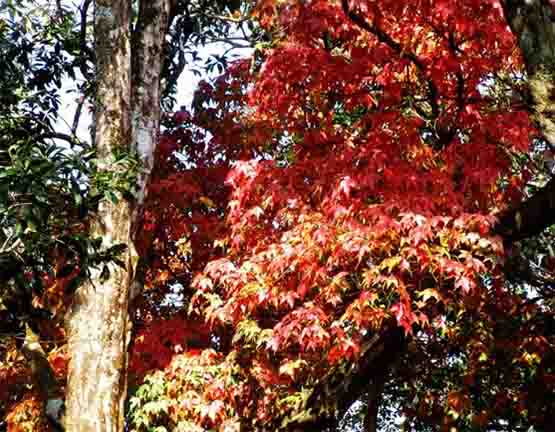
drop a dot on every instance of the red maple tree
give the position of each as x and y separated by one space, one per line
329 215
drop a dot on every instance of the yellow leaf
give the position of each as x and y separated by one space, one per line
428 293
390 264
207 202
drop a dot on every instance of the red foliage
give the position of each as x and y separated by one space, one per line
28 415
346 188
158 342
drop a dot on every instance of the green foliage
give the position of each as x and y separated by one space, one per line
149 406
48 188
200 24
169 399
119 177
347 118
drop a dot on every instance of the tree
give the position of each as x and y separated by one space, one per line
367 150
326 214
36 175
102 186
127 118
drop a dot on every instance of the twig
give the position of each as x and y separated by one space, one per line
77 116
386 39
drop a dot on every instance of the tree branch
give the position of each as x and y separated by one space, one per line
380 355
530 218
228 18
77 115
60 136
85 51
384 38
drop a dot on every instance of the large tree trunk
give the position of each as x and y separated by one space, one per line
98 319
533 24
126 121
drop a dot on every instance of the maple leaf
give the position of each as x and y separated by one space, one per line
404 315
356 167
465 284
346 185
429 293
213 411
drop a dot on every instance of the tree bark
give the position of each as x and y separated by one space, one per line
127 117
530 218
394 346
533 24
97 320
373 400
43 376
147 52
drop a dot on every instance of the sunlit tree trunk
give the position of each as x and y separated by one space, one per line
147 59
126 122
98 319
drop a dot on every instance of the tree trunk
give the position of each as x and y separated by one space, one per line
147 51
126 122
98 320
394 346
375 390
379 359
533 24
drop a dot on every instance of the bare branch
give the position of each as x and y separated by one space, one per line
60 136
83 40
227 18
77 115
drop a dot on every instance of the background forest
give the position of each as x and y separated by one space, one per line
349 229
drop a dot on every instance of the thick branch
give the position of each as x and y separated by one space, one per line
531 217
85 51
59 136
373 372
147 50
43 376
533 24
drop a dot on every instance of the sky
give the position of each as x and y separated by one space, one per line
186 86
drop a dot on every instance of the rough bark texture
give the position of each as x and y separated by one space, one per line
147 58
533 24
43 376
98 319
126 120
147 51
531 217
